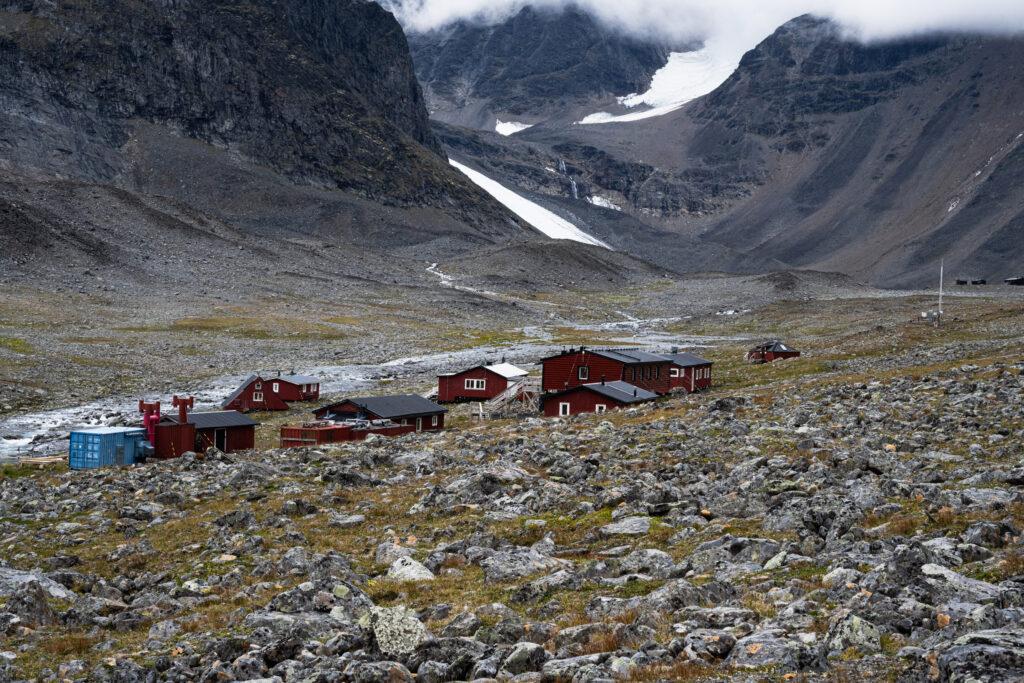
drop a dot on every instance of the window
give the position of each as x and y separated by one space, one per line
674 372
600 408
258 385
657 371
476 384
563 409
583 372
648 372
277 387
419 423
257 396
433 420
634 372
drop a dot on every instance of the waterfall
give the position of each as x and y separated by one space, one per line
564 171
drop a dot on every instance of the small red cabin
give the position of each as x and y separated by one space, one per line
255 393
226 431
689 372
574 368
769 351
404 409
594 398
295 387
480 383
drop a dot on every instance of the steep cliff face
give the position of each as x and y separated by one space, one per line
321 91
538 62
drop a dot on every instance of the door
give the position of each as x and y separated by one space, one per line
419 424
220 440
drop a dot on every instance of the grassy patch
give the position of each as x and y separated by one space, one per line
15 344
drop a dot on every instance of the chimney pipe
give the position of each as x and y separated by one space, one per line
675 349
602 380
183 404
634 392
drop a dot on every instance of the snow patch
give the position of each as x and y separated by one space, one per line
510 127
543 220
687 76
604 203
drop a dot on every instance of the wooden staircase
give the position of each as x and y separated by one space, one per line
520 397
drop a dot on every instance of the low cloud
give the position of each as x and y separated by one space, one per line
738 22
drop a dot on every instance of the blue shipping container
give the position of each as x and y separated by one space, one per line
104 447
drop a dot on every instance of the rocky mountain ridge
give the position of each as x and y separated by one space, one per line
873 160
538 63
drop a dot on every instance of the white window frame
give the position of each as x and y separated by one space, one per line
564 409
257 396
674 372
419 424
433 420
276 386
583 372
258 385
476 384
600 408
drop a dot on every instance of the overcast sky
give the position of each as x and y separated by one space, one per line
740 22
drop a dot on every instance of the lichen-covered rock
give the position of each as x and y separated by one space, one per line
396 630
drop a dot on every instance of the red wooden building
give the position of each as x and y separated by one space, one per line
480 383
226 431
689 372
315 433
576 367
255 393
769 351
295 387
403 409
594 398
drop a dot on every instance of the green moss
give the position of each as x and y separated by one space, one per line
15 344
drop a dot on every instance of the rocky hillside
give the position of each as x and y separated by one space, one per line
538 63
803 519
255 113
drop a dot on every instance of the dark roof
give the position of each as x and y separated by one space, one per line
238 392
625 356
297 379
215 419
620 391
390 407
687 360
776 347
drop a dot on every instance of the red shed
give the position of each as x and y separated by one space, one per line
689 371
574 368
769 351
594 398
255 393
226 431
295 387
404 409
481 383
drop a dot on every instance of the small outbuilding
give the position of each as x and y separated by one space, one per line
1016 281
577 367
598 397
225 430
95 447
403 409
689 371
295 387
255 393
769 351
479 383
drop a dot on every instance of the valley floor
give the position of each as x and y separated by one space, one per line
855 512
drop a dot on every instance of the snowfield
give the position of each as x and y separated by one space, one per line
510 127
687 76
545 221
